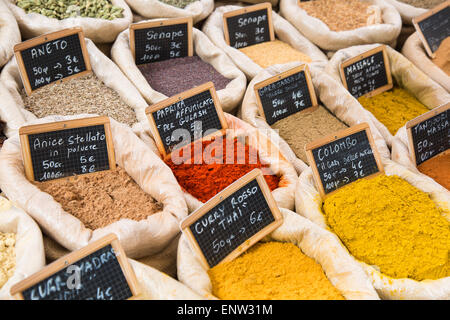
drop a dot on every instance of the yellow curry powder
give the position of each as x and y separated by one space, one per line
269 53
272 271
7 256
394 108
388 223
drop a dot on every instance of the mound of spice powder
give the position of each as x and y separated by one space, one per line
7 256
268 53
398 228
394 108
442 59
178 3
85 94
438 168
427 4
101 198
272 271
206 173
174 76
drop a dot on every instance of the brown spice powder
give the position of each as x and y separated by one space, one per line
442 59
427 4
438 168
101 198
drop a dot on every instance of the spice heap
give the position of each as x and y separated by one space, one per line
303 127
206 173
85 94
272 271
394 108
178 3
442 59
397 228
173 76
101 198
427 4
341 15
269 53
438 168
63 9
7 256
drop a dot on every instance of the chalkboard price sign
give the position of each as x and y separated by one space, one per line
248 26
161 40
433 27
60 149
57 56
429 134
99 271
232 221
285 94
343 158
367 74
184 118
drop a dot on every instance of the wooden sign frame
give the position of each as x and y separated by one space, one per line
284 75
64 262
410 124
24 132
336 136
364 55
256 7
18 48
162 23
208 86
220 197
426 15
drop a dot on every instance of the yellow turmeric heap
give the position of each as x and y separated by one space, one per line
394 108
386 222
272 271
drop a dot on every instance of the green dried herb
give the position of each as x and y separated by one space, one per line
178 3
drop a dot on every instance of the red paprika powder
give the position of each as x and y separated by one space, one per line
208 167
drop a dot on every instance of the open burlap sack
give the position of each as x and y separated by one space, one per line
324 247
308 203
9 34
99 30
407 11
29 249
415 52
150 9
404 74
229 97
14 113
283 30
328 91
139 238
320 34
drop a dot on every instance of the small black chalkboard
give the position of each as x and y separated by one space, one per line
367 74
343 158
52 57
161 40
285 94
429 134
61 149
233 220
248 26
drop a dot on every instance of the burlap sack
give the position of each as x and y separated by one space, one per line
407 11
9 34
229 97
404 74
138 238
328 91
29 249
415 52
324 247
14 113
320 34
308 203
284 31
150 9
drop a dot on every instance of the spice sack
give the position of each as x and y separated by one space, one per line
284 32
383 25
9 34
407 11
340 268
309 204
146 178
21 248
417 86
230 96
345 110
